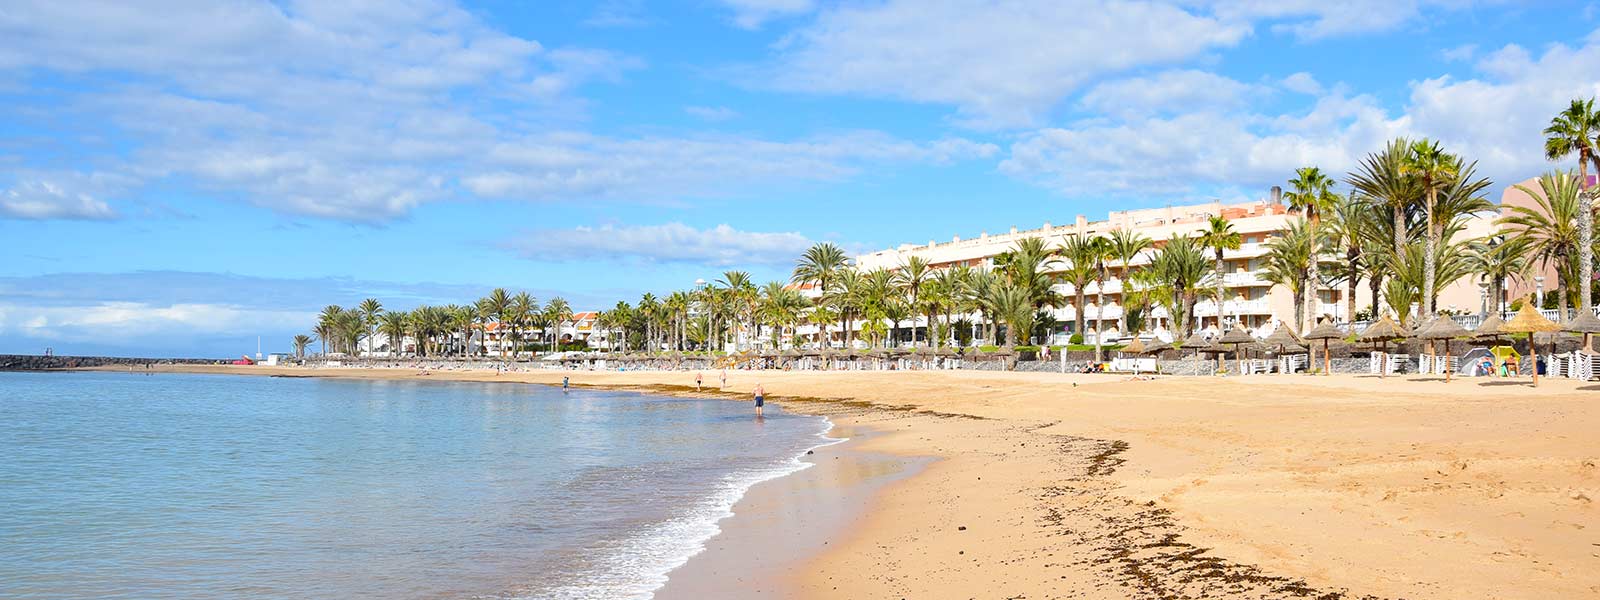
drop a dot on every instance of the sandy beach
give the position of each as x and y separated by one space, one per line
1023 485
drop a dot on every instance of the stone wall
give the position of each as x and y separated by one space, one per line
34 362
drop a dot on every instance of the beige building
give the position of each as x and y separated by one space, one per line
1251 300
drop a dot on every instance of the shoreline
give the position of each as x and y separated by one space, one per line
1049 485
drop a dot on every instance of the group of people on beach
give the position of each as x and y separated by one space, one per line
760 392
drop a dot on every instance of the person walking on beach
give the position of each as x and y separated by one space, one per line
761 397
697 379
724 379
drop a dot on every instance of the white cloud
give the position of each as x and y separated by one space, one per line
1168 92
752 14
673 242
123 322
1495 119
47 199
548 166
1303 83
1316 19
1001 63
364 111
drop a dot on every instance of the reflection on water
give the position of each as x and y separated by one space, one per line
194 486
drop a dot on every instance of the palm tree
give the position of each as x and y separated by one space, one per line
1433 168
1550 229
1382 181
1288 263
677 304
911 276
1311 194
1177 272
1011 303
1125 246
1347 218
461 319
820 265
846 298
949 293
1080 253
326 327
394 325
1220 236
1102 252
1577 131
1497 260
370 309
300 342
494 307
519 312
557 312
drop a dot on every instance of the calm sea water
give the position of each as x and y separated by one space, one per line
192 486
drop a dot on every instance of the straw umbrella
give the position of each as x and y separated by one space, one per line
1529 321
1325 331
1235 336
1444 328
1587 324
1134 347
1382 332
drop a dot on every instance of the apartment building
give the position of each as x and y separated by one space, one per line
1250 299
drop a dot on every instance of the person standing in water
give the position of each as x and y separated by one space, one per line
697 379
564 385
761 397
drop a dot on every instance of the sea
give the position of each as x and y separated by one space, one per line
127 485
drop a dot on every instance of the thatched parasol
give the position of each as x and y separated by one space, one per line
1325 331
1444 328
1197 342
1235 336
1383 332
1529 321
1490 329
1283 339
1587 324
1134 347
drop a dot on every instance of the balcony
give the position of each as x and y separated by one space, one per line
1208 308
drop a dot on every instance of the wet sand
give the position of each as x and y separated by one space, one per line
1081 486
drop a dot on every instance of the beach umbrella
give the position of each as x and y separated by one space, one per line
1382 332
1197 342
1490 330
1284 339
1529 321
1325 331
1134 347
1235 336
1587 324
1444 328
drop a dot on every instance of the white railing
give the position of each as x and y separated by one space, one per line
1208 308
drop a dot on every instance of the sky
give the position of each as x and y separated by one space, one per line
183 177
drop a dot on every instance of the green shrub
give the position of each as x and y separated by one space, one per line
1075 340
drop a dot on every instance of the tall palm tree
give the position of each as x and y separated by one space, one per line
1219 236
950 294
1102 254
461 319
1342 231
1011 303
1433 168
1311 194
494 307
910 276
519 312
1381 180
1550 227
1177 273
819 265
1576 131
1288 263
370 309
1080 253
326 328
1125 246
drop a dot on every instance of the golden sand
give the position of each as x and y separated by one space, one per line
1092 486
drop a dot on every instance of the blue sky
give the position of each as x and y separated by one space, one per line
180 177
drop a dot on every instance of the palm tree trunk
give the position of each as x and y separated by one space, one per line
1079 309
1428 260
1585 241
1220 292
1350 289
1100 318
